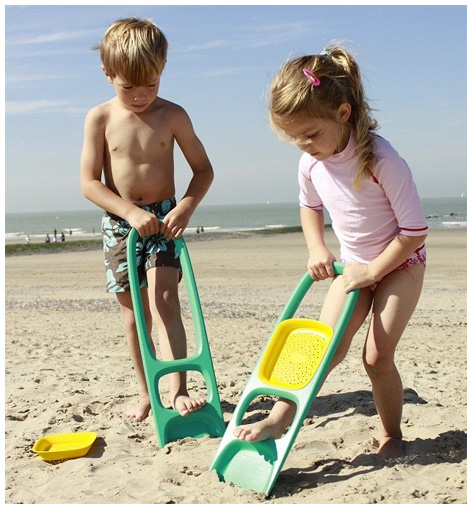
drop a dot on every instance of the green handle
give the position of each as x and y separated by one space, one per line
338 268
190 284
303 287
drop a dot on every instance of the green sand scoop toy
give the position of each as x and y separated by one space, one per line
293 366
170 425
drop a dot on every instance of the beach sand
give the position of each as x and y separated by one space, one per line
67 370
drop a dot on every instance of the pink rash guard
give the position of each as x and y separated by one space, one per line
364 220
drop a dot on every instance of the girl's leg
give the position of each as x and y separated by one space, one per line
165 309
141 410
395 300
283 412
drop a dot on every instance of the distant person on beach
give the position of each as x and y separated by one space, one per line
317 102
130 139
48 239
27 239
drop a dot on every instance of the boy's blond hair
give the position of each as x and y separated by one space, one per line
339 77
135 49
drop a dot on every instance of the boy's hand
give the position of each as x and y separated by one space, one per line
174 223
144 222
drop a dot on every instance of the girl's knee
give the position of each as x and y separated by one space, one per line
338 357
378 364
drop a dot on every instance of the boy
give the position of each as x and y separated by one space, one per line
130 140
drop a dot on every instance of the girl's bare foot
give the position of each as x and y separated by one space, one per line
391 448
139 412
273 426
184 404
258 431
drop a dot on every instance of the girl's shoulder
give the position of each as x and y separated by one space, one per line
383 149
306 164
389 166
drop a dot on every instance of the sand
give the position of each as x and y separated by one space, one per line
67 370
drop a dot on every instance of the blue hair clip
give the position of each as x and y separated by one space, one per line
325 53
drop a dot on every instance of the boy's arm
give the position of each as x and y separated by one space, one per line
90 179
194 152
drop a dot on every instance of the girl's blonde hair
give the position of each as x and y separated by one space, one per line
292 93
134 48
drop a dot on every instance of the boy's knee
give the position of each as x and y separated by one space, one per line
165 304
129 321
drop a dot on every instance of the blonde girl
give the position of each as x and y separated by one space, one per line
318 103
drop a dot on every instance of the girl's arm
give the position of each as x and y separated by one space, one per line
358 275
320 261
394 176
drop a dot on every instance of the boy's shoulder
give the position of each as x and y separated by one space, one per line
169 106
103 113
100 111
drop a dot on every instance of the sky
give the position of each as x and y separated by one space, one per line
220 63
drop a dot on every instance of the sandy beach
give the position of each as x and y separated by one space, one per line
67 369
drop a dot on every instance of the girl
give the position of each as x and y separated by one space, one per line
318 103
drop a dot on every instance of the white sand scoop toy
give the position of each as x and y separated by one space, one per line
293 366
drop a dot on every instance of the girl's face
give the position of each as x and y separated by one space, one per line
320 137
135 98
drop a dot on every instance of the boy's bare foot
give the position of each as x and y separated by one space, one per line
391 448
139 412
185 405
258 431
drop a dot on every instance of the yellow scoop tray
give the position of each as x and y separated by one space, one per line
294 353
64 446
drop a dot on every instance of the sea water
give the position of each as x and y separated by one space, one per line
441 213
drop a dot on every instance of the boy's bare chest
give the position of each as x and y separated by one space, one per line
138 138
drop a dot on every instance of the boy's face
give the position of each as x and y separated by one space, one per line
135 98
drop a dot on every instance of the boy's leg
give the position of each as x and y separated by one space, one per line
283 412
141 410
165 309
395 300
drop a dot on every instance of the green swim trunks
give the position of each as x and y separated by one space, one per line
153 251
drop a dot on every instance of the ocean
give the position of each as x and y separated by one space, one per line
441 213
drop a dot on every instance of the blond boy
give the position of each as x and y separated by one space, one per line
127 169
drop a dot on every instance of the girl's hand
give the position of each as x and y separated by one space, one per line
320 264
357 275
143 221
